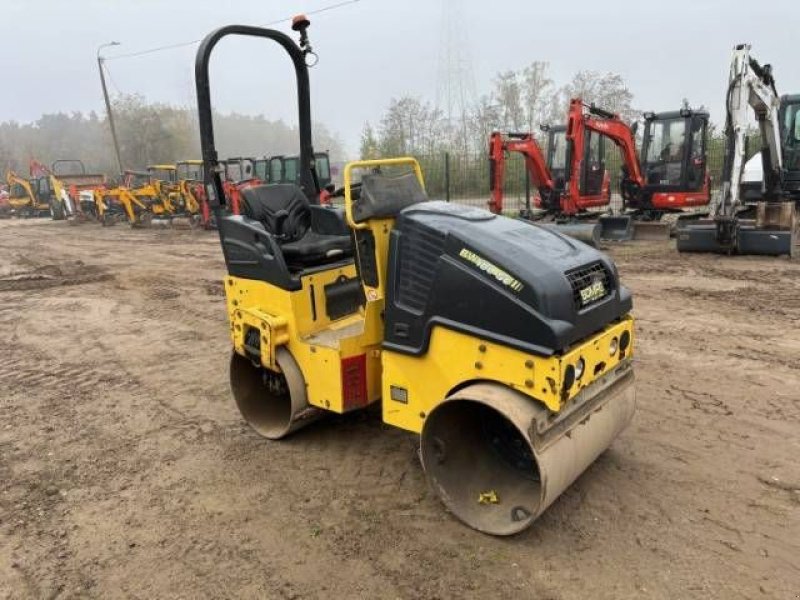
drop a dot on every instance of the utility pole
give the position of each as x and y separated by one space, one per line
109 112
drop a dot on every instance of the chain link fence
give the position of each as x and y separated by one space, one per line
464 178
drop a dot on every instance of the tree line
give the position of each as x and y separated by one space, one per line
453 151
520 100
149 133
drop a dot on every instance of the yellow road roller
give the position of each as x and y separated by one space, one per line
506 346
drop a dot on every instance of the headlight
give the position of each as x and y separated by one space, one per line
613 346
579 368
625 341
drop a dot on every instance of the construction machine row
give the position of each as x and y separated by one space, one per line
165 194
664 172
504 343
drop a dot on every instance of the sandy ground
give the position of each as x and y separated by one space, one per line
126 471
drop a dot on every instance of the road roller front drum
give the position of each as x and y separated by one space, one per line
484 458
273 404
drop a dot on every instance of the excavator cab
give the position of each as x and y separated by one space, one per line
162 173
789 117
135 179
239 169
190 170
673 162
557 153
285 169
593 176
593 179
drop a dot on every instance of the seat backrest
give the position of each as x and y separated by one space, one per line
384 196
282 208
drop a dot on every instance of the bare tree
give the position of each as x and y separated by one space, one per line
606 90
537 90
508 94
369 147
411 126
488 118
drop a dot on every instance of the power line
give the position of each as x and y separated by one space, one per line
110 77
191 43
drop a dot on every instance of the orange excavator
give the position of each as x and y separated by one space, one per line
559 195
571 179
238 174
562 198
673 178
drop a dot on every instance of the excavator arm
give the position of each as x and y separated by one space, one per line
750 85
500 144
13 180
773 231
583 118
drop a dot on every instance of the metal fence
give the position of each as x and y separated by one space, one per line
464 178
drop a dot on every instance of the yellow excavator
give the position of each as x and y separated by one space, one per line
190 180
505 346
32 197
142 198
77 185
164 182
169 205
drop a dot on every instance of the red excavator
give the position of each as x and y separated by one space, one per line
673 164
674 176
576 148
239 173
670 176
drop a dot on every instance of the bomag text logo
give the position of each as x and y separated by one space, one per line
593 292
492 270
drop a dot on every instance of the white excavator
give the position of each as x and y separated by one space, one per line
766 224
752 180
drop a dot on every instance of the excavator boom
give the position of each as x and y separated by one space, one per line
770 226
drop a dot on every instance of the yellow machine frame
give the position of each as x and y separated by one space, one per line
167 192
190 200
411 386
30 200
127 199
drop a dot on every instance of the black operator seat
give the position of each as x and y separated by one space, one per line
384 196
307 235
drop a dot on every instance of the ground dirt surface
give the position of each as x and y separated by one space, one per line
126 470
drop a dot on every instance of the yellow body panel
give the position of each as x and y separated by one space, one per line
453 359
125 198
411 386
317 343
190 201
29 199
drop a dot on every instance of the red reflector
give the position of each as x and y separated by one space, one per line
354 382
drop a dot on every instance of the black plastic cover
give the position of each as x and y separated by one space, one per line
384 196
343 297
500 279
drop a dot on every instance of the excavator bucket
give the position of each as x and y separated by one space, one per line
618 228
774 232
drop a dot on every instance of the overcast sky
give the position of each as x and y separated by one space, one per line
373 50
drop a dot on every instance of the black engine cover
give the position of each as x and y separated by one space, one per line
500 279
